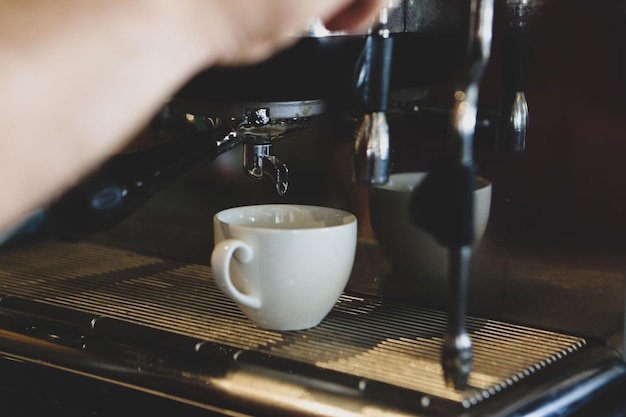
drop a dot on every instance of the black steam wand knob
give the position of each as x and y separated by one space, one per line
443 204
126 181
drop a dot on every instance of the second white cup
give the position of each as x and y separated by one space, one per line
418 261
284 265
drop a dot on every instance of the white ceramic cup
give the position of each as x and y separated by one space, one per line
284 265
419 263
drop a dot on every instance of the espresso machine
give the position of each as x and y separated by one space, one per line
107 302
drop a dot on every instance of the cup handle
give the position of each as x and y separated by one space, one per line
221 257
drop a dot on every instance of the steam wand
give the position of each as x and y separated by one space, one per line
444 203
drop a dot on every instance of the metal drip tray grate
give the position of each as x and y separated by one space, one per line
389 342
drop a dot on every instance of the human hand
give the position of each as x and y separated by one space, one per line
248 31
114 63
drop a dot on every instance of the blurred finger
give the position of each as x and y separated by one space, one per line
357 16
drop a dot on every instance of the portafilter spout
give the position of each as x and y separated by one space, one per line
258 162
444 202
259 131
260 125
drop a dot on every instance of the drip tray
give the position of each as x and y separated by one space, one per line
376 340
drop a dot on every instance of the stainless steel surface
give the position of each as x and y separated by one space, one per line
377 341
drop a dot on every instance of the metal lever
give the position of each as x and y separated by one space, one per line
444 203
372 78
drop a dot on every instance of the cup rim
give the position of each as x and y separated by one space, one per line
347 218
